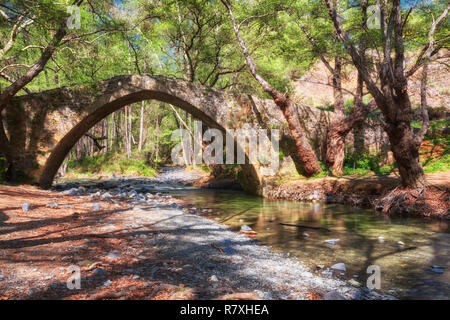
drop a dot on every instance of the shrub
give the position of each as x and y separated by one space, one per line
107 163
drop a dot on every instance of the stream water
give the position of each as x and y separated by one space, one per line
404 249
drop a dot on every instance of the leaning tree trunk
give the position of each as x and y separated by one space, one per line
305 152
406 154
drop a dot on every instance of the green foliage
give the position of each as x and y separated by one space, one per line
325 171
112 163
437 164
434 124
363 164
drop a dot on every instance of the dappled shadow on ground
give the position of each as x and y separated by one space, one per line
137 258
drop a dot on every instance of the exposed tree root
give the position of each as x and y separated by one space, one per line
424 202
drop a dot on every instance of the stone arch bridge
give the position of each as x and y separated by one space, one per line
43 127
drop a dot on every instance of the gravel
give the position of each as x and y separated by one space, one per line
244 265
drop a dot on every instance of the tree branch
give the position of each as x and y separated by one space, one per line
15 87
429 49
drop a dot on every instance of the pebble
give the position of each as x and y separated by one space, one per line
52 205
72 192
26 207
96 207
401 243
113 255
106 196
99 272
339 267
107 283
213 278
437 269
333 295
380 239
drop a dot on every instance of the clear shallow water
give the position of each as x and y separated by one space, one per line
405 269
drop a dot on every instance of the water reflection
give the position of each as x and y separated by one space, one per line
404 248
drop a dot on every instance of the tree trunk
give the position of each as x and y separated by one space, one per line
141 126
406 154
334 147
157 142
126 140
5 149
305 153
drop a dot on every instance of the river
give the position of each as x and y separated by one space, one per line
412 254
405 249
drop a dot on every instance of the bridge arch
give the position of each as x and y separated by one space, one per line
56 119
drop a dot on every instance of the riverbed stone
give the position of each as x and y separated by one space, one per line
26 207
100 272
437 269
213 278
332 241
52 205
339 267
333 295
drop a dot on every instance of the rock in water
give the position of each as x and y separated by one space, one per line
245 228
332 241
333 295
26 207
213 278
339 267
437 269
355 283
